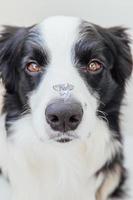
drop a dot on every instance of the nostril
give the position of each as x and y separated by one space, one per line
74 119
53 118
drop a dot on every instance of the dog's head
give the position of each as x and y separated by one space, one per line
66 74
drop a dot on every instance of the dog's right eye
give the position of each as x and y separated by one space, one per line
95 65
33 67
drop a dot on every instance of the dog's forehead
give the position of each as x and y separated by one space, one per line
59 32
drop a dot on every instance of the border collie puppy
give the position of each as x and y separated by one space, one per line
60 135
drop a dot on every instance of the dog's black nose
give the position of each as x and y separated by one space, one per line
63 115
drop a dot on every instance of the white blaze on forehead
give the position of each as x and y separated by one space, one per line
59 34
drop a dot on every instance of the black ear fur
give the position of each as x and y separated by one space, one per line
10 41
121 49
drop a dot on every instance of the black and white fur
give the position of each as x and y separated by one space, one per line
34 165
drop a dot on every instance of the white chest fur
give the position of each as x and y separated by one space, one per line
52 175
52 171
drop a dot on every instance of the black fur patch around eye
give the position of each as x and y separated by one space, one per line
18 47
111 46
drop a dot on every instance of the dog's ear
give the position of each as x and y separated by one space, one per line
122 53
9 48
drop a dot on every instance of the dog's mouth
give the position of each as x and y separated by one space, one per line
64 138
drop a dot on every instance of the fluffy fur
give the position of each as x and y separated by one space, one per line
37 166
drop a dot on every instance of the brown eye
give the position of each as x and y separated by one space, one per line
33 67
94 66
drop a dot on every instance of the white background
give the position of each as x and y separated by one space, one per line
104 12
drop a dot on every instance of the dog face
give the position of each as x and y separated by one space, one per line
66 74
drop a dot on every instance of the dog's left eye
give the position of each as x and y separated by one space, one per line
94 65
33 67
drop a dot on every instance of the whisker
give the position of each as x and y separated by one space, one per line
103 116
102 112
26 110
